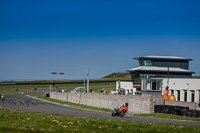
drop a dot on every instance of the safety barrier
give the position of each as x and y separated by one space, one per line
176 110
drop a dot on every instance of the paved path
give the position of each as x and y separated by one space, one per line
21 102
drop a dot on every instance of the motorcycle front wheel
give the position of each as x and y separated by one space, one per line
122 113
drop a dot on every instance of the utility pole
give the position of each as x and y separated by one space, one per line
84 81
168 77
88 80
84 74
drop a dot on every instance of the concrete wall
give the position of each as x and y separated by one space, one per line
137 103
58 96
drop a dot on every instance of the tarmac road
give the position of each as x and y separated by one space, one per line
22 102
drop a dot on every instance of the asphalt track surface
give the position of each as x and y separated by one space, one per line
25 103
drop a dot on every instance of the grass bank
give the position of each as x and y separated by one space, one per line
20 121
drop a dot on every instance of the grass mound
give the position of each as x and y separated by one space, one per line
123 76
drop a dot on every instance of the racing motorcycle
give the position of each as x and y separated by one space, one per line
121 110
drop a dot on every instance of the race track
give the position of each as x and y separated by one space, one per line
25 103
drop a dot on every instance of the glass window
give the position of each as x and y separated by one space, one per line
141 62
147 63
199 96
172 92
153 85
178 95
192 96
185 95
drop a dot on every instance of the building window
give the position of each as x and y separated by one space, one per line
192 96
178 95
145 62
172 92
199 96
185 95
153 84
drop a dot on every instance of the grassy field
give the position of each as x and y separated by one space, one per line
96 89
20 121
168 116
32 86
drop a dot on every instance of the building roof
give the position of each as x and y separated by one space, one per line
163 57
159 69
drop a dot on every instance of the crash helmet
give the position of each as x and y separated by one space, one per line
126 104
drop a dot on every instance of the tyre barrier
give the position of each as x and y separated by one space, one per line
176 110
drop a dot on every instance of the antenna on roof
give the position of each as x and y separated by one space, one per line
168 76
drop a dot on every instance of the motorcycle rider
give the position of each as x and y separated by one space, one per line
121 106
2 98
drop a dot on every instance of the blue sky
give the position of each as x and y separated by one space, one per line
42 36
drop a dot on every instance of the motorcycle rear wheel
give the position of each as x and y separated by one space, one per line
113 114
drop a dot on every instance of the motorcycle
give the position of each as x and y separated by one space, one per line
2 98
120 111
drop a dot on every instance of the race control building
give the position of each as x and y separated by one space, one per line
157 72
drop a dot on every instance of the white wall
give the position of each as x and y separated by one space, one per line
127 85
183 84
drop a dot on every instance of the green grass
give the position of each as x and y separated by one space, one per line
168 116
20 121
14 87
32 86
96 89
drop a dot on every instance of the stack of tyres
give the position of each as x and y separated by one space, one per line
166 109
193 113
188 113
198 113
172 110
184 111
158 108
177 110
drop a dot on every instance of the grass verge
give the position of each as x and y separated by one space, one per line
21 121
167 116
32 86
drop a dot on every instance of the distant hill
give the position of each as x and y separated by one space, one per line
121 76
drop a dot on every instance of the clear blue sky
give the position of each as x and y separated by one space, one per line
42 36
